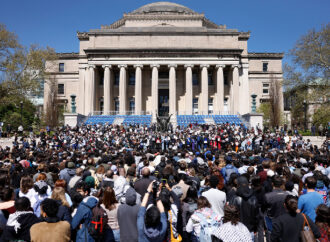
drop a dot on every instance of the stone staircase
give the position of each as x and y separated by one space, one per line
118 121
209 121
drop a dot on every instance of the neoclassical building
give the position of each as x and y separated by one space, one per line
164 58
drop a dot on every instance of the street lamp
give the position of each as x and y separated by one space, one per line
305 115
21 102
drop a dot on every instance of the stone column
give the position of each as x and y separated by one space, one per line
91 89
107 89
81 94
172 93
138 89
204 91
218 108
189 90
154 91
122 89
235 90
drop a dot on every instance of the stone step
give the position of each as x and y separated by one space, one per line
118 121
209 120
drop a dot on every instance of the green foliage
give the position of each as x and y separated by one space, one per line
21 68
10 113
307 78
322 116
265 109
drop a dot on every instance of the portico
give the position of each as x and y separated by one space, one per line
165 59
189 90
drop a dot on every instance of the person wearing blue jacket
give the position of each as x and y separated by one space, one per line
83 217
228 169
151 222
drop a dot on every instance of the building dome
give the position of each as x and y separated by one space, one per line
163 7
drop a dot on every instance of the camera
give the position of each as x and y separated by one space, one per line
155 186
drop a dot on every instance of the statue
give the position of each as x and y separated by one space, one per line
163 124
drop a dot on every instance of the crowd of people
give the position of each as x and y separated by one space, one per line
199 183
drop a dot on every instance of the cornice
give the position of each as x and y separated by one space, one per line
256 55
104 51
265 72
72 55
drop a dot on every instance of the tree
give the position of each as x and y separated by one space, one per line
21 68
22 71
272 109
307 77
52 112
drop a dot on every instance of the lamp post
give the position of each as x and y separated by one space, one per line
305 115
21 103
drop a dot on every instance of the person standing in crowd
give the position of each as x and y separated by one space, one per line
288 226
110 205
82 219
127 216
202 221
51 229
308 202
215 197
19 223
151 221
232 229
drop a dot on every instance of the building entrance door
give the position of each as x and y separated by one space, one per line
163 104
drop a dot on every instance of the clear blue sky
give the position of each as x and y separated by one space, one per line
275 25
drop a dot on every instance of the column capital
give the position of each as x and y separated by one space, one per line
172 65
204 65
188 65
107 66
154 65
138 65
91 66
220 66
236 65
122 66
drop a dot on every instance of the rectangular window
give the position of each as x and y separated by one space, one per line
60 89
210 78
116 82
265 88
265 67
131 78
61 67
195 79
195 105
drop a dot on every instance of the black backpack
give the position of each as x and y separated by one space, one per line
99 223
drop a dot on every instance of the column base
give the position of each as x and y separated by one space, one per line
254 119
73 119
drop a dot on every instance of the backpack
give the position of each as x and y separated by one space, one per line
98 223
208 225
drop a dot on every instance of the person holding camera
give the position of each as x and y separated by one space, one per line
151 222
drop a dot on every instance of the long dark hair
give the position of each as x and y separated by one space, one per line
231 214
291 204
109 198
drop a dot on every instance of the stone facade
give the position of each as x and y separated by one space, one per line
164 57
